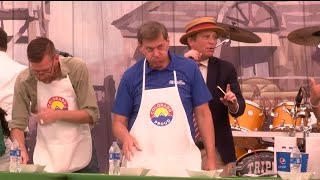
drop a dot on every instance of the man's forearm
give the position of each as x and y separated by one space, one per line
208 138
206 127
119 130
120 127
75 116
18 134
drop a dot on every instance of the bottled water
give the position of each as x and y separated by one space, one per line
295 160
114 159
15 155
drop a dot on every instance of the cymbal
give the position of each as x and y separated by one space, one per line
239 34
309 36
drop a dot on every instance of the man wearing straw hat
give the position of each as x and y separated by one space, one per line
221 79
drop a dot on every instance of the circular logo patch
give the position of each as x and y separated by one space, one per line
282 160
161 114
57 103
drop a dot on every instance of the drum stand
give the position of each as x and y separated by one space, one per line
235 124
304 114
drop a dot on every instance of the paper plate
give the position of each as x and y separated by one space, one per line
133 171
32 168
204 174
291 176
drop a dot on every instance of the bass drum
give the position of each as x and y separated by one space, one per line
256 162
240 151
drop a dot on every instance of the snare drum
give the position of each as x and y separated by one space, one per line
256 162
282 118
252 119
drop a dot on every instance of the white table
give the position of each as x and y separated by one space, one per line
313 156
270 134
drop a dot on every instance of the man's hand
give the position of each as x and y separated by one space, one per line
46 116
193 54
209 165
314 91
129 143
230 99
24 155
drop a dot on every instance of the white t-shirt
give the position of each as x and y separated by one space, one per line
203 66
9 72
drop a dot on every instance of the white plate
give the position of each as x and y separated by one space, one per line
133 171
32 168
290 176
204 174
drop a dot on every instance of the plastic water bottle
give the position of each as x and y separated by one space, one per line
114 159
283 149
15 155
295 160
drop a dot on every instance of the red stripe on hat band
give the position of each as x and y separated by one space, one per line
201 26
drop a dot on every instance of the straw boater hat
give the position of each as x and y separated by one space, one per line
201 24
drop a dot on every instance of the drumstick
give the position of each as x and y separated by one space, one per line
223 92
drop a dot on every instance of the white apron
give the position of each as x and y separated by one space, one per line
162 131
61 146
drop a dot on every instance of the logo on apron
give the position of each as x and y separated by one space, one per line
57 103
161 114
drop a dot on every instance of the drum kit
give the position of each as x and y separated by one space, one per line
288 117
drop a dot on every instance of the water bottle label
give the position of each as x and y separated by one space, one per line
18 152
115 156
295 161
12 153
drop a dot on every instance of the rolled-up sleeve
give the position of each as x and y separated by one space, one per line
84 91
21 104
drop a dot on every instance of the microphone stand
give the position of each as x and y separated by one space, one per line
301 111
294 112
223 42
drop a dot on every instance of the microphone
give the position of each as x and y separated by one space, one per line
299 97
222 42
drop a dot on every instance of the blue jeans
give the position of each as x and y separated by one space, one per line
92 167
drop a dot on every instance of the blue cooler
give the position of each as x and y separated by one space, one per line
283 161
304 162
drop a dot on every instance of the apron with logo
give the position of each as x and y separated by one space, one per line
61 146
162 131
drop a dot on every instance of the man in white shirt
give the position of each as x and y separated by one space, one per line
9 71
201 37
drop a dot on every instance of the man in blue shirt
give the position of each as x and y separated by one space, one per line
154 108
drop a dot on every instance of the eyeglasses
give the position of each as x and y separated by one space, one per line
43 72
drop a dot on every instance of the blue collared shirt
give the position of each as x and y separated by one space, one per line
192 88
